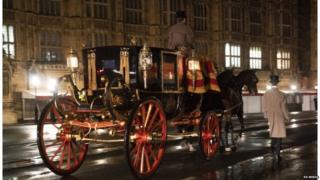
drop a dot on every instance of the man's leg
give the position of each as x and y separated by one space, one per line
278 148
273 140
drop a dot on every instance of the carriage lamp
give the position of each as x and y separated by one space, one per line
193 66
72 60
73 63
145 62
193 63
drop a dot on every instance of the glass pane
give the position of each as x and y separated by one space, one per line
227 61
278 55
11 35
5 33
279 64
11 50
227 49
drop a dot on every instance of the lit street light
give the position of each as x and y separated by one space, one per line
34 82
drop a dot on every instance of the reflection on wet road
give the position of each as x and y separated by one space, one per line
252 159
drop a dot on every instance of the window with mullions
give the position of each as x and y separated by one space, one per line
7 4
8 40
97 9
133 11
283 59
168 10
50 46
232 55
255 21
50 7
201 47
232 18
283 20
200 16
97 39
255 57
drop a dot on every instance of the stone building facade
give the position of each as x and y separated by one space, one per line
272 36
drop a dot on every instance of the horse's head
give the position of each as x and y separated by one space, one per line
249 79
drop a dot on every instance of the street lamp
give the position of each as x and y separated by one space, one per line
35 82
73 63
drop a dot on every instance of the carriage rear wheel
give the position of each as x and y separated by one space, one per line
209 135
145 138
62 153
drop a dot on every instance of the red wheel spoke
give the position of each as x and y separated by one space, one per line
62 155
147 160
136 159
153 118
69 155
142 159
74 154
143 113
55 154
148 115
152 153
53 144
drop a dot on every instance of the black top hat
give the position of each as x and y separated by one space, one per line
274 79
181 14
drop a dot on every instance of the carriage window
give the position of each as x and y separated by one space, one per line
169 73
283 59
232 55
255 57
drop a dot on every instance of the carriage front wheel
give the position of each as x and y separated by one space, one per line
209 135
145 138
60 150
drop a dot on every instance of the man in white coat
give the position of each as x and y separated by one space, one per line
275 110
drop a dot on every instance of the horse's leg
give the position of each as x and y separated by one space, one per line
240 117
226 128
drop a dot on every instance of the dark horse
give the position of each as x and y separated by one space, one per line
231 94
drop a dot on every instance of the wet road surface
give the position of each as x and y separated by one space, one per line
252 159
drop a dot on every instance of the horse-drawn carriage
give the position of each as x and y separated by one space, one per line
135 93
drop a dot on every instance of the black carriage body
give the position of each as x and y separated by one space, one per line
165 74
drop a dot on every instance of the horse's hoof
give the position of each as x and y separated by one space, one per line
228 149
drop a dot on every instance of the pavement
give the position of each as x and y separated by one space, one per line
15 135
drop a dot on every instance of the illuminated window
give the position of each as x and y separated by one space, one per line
200 16
97 9
8 41
169 9
50 7
232 55
255 54
283 59
133 11
50 46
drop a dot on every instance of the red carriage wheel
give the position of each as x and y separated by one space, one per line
145 138
209 135
58 146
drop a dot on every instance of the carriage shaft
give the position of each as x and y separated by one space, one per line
95 125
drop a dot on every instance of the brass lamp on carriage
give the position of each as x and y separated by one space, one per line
73 63
193 67
145 63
